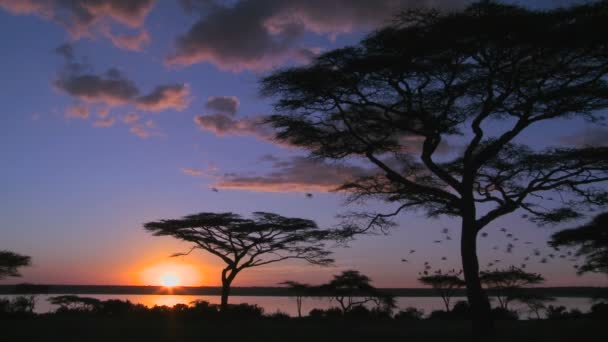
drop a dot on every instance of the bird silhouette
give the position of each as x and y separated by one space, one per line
437 241
543 260
444 230
503 229
308 195
412 251
444 258
403 260
215 190
484 234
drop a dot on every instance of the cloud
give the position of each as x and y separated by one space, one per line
130 118
596 136
223 104
104 123
192 172
297 174
132 42
77 111
110 88
140 131
113 88
172 96
80 16
261 34
226 125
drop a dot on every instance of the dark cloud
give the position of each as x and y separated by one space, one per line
110 88
223 104
297 174
260 34
596 136
113 88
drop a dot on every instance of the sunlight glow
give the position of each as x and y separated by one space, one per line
171 274
169 280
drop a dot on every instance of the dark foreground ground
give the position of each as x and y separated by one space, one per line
117 330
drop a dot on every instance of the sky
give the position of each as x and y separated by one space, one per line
117 113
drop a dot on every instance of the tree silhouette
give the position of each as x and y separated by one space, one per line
242 243
535 302
507 283
445 284
11 262
592 242
352 289
480 77
298 290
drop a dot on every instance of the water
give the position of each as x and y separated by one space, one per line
288 304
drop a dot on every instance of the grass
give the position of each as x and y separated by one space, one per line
93 329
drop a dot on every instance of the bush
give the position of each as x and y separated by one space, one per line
599 311
560 312
279 315
409 314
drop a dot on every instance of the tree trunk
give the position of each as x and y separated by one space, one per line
226 282
299 304
482 322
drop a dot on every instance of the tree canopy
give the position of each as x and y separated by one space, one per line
591 240
445 283
242 243
352 289
10 263
408 94
508 283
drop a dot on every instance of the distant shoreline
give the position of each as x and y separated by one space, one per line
258 291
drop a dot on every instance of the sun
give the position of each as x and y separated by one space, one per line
169 279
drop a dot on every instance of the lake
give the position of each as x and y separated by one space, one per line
288 305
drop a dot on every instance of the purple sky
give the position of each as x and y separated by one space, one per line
117 113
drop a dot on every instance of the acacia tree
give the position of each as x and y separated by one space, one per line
242 243
352 289
507 283
445 284
298 290
592 242
481 78
10 263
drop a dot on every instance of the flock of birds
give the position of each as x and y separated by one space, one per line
508 248
535 254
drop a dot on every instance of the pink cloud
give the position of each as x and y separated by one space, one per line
172 96
104 123
134 42
297 174
77 111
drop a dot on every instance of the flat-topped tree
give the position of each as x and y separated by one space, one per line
445 284
508 283
242 243
482 77
10 263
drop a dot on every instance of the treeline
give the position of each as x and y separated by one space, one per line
76 306
579 292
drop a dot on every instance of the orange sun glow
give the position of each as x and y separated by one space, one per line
171 275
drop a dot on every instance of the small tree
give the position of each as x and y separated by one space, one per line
242 243
352 289
298 290
592 242
535 302
11 262
507 283
445 284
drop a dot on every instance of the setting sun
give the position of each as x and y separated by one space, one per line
169 280
171 274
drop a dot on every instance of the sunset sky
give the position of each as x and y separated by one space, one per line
117 115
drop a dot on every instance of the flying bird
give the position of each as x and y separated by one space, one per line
308 195
484 234
403 260
215 190
412 251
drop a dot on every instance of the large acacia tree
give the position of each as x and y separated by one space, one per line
242 243
479 78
